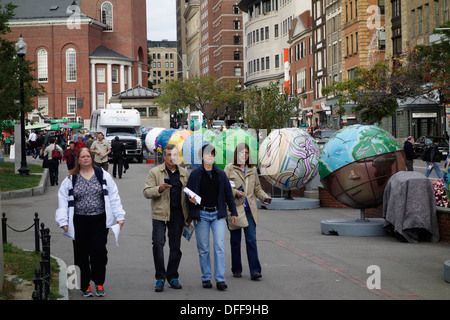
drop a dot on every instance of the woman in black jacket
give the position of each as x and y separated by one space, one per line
211 184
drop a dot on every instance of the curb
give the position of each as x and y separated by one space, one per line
28 192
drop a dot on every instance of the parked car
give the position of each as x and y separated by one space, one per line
322 135
216 124
421 143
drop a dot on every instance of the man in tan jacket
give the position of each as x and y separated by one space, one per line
164 186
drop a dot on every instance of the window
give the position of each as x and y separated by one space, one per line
236 24
115 75
107 15
237 40
237 71
277 61
267 33
420 16
71 105
413 17
267 63
235 10
101 75
100 100
43 105
276 31
436 12
71 65
237 55
152 112
42 59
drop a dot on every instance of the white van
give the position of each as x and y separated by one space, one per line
123 123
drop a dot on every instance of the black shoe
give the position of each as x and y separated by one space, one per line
221 286
256 276
237 275
207 284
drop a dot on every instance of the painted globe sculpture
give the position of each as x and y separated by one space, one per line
191 146
150 138
357 162
163 139
225 144
178 139
289 158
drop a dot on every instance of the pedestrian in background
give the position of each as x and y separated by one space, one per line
101 148
409 152
247 188
118 152
88 205
435 158
212 185
69 155
164 186
53 163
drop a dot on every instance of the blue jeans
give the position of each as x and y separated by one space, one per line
250 244
436 169
208 220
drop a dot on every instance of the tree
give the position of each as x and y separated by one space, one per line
267 108
206 94
12 69
423 71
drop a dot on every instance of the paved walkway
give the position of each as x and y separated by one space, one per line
298 262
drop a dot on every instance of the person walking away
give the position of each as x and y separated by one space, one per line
88 205
118 152
32 140
69 155
247 188
409 152
164 186
101 148
53 163
435 158
212 185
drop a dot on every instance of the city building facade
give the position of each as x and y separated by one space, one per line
83 52
163 62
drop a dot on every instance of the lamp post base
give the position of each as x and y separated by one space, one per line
24 170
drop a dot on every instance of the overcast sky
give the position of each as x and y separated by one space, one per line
161 20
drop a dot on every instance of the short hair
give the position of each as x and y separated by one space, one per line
436 140
207 148
409 138
72 142
169 147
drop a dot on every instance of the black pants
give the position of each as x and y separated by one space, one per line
174 230
53 170
89 248
118 164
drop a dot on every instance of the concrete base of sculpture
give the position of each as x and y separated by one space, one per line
354 227
290 204
447 270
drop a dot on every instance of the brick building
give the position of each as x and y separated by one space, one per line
84 51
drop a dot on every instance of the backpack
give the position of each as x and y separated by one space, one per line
56 154
426 153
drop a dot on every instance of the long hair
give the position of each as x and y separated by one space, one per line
241 146
76 169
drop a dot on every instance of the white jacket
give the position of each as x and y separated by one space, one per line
64 213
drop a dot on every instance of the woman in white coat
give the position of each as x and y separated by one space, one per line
88 205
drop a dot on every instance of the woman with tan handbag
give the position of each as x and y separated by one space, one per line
246 189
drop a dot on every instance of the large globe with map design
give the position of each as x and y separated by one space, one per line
357 162
288 158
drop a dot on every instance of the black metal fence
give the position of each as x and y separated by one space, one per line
42 275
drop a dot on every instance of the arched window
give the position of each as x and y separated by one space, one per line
71 65
107 15
42 60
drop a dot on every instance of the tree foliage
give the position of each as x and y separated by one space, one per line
205 94
267 108
12 69
424 71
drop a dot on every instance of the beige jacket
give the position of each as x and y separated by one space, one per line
161 201
251 184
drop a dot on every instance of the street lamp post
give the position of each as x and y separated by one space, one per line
21 49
